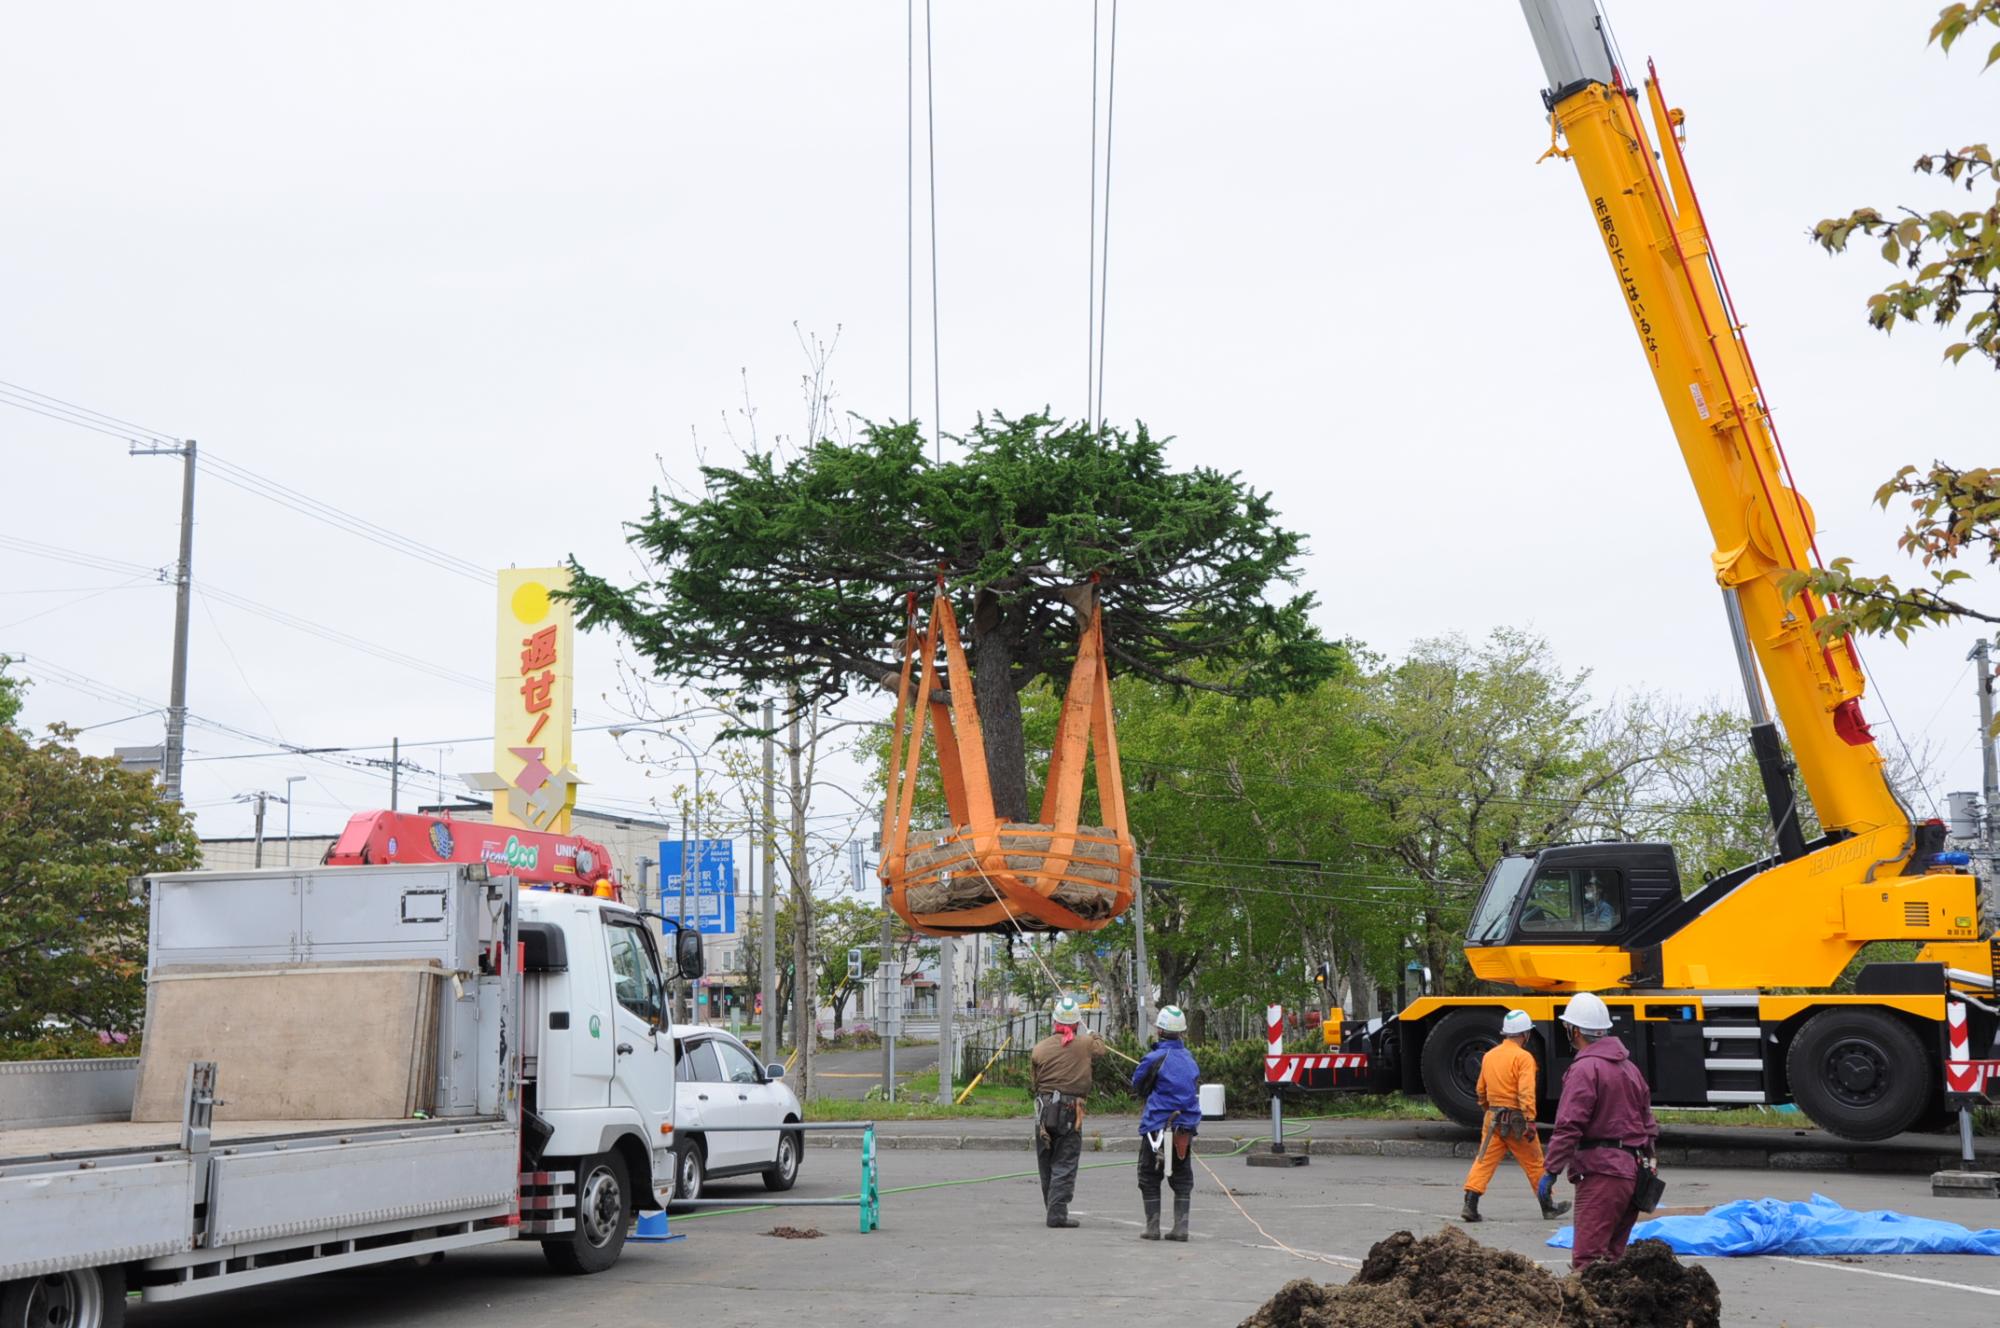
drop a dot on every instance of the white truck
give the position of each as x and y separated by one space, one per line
526 1037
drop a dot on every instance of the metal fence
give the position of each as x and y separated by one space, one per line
1013 1037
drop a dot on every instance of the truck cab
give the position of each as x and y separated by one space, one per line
1600 894
598 1065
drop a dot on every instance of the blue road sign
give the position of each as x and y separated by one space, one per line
711 890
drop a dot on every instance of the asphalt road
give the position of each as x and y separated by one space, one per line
972 1252
850 1074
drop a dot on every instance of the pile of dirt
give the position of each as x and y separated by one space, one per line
1451 1279
795 1233
1649 1287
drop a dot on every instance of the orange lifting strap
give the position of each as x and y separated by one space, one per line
988 875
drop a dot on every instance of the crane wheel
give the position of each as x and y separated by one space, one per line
1860 1074
1452 1052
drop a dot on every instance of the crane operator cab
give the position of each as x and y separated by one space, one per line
1606 895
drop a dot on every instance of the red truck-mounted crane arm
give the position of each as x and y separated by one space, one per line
533 857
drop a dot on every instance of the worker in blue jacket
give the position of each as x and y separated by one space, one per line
1170 1081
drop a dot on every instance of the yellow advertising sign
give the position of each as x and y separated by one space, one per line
532 781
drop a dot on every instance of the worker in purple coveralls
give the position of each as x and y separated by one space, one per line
1604 1133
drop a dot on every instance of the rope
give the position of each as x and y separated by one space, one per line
1090 281
1104 268
930 147
1230 1195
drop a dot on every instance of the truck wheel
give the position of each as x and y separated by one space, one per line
603 1216
1452 1053
781 1175
82 1298
1859 1074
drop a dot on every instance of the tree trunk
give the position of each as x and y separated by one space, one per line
999 708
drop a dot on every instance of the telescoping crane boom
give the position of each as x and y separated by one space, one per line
1693 982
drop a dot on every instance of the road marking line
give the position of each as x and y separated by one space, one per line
1881 1272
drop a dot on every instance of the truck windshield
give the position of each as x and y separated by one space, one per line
1496 901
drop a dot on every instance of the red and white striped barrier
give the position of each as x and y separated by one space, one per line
1283 1069
1963 1074
1274 1023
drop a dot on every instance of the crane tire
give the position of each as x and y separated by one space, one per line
1861 1074
1452 1052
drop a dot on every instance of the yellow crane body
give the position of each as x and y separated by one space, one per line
1721 994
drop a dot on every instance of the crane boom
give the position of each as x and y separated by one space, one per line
1650 223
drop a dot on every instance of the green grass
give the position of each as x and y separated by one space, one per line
1771 1120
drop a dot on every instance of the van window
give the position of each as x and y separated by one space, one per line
698 1063
736 1063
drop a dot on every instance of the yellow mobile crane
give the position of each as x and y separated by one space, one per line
1722 995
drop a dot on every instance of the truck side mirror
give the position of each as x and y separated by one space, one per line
687 953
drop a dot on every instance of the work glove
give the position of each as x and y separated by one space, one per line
1547 1187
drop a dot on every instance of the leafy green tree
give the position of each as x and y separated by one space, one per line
75 833
10 695
1953 261
790 572
1953 256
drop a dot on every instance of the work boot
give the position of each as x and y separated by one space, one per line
1180 1218
1152 1231
1470 1213
1059 1216
1553 1208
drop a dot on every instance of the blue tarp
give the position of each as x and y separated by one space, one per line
1818 1226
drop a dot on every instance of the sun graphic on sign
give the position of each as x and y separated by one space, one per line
531 602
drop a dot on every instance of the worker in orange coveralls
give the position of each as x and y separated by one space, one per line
1507 1092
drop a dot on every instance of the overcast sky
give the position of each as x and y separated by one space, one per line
478 272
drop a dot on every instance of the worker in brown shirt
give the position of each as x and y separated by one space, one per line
1061 1068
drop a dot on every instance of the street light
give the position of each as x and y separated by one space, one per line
289 781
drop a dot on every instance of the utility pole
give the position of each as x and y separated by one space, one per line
1142 982
886 1004
947 998
176 745
767 941
395 771
1989 821
686 1015
289 795
802 915
259 798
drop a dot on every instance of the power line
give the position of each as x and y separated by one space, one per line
325 633
306 505
242 477
1415 791
95 561
74 408
247 605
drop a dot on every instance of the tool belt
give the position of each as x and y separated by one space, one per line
1057 1113
1645 1155
1156 1144
1649 1188
1510 1123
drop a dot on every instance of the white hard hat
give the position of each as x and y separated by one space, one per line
1171 1020
1068 1011
1587 1011
1517 1021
